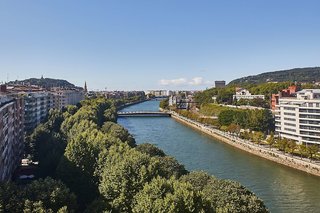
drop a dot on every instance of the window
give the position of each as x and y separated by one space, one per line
289 108
288 113
289 119
291 130
289 124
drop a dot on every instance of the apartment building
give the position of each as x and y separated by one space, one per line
63 98
37 106
289 92
11 135
298 118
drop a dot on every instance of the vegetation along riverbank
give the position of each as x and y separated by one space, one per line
269 153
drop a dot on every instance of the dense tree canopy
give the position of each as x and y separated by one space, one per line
100 163
44 195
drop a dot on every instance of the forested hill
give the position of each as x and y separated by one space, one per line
45 82
308 74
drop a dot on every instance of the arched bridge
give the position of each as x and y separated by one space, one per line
143 114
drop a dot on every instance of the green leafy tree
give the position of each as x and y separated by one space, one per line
292 145
234 129
271 140
124 172
150 149
312 150
169 166
43 195
111 114
226 117
52 193
229 196
167 195
118 131
302 150
198 179
282 144
222 195
11 198
258 137
164 104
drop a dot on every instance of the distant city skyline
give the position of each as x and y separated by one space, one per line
168 44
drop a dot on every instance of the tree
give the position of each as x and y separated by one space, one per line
11 198
169 166
229 196
311 150
46 146
223 196
292 145
123 173
258 137
233 128
118 131
164 104
43 195
302 149
226 117
270 140
52 193
150 149
198 179
78 181
282 144
162 195
110 114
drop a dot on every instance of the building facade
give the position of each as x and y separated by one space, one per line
220 84
37 107
11 135
245 94
298 118
63 98
290 92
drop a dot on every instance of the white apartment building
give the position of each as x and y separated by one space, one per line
245 94
298 118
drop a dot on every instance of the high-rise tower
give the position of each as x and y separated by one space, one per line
85 87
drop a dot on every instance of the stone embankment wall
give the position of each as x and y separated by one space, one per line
294 162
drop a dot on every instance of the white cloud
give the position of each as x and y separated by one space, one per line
176 82
196 81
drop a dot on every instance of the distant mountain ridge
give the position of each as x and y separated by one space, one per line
45 82
308 74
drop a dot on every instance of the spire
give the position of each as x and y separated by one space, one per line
85 87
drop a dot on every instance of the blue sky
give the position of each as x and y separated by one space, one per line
155 44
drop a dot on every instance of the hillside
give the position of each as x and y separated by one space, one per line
45 82
308 74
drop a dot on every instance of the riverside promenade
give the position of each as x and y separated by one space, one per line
259 150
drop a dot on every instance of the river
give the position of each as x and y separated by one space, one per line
282 189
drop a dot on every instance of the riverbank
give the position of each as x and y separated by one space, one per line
264 152
132 103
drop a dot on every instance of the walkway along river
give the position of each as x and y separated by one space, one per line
283 189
